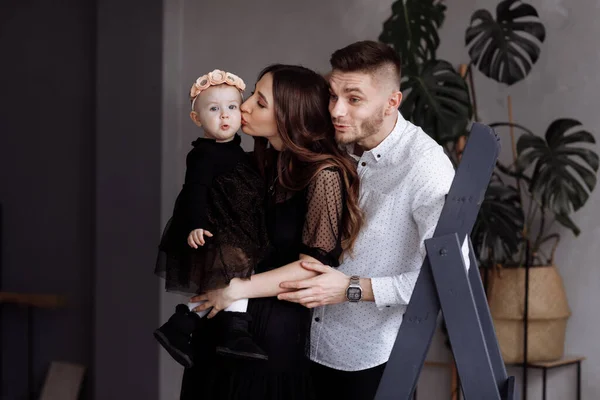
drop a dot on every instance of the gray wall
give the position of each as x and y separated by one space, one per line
563 83
254 34
80 123
46 175
127 201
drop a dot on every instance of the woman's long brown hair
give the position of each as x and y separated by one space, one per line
304 124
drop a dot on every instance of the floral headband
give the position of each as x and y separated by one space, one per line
217 77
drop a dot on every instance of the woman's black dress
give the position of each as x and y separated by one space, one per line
306 222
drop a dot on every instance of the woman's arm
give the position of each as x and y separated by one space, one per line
320 235
265 284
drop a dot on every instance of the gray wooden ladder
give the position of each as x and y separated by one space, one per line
445 284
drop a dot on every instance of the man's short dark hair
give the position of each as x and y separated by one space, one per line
366 56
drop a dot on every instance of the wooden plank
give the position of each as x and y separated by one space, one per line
556 363
458 217
33 300
63 381
461 316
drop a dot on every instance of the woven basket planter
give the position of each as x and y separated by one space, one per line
547 316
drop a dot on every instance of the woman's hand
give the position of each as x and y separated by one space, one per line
218 299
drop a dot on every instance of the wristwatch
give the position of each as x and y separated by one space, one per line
354 291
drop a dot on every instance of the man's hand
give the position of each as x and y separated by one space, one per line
196 237
329 287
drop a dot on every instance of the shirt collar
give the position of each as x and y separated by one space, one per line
382 150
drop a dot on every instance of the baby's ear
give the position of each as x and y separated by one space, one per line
195 118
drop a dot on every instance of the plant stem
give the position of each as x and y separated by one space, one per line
412 53
511 129
514 151
467 74
507 171
510 124
451 155
549 259
538 239
546 256
531 213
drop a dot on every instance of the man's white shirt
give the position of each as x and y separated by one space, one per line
403 184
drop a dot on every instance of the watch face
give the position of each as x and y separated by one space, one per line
354 294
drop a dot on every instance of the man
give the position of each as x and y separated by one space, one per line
405 176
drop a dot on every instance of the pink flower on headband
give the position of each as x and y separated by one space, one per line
201 84
236 81
216 77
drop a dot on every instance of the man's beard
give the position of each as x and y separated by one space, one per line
368 128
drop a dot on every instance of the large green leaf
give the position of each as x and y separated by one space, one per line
412 30
436 98
567 222
498 229
503 49
563 173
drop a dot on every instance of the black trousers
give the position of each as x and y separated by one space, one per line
332 384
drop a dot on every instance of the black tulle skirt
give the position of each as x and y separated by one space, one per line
281 329
236 220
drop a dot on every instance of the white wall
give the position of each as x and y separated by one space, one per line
243 37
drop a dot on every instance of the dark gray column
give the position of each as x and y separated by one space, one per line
128 157
46 184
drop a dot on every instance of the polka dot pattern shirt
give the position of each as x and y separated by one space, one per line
404 181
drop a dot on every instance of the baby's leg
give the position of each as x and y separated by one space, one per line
237 341
174 335
238 306
194 305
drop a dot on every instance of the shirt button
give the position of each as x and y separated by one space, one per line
317 319
363 163
378 155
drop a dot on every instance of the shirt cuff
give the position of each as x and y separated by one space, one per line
384 291
465 253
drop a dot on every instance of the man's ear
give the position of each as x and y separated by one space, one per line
195 118
394 102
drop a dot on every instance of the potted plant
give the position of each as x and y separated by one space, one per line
550 177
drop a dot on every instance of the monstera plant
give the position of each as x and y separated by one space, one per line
551 175
436 97
505 48
560 172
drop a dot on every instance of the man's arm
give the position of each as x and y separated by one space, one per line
428 199
397 290
329 286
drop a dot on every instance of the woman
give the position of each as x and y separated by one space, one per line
312 214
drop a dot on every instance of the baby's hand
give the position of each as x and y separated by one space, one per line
196 237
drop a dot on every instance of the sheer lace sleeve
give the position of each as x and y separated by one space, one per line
321 235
